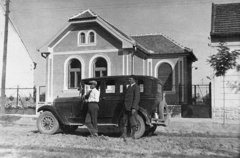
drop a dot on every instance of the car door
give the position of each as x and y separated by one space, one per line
110 101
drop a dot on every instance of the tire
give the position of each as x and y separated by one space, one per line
166 116
140 127
68 129
47 123
150 131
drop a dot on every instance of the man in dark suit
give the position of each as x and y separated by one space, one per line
131 101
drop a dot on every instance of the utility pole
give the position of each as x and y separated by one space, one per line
4 66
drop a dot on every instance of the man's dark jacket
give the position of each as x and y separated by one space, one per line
132 97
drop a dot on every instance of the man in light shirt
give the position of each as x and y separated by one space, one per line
92 113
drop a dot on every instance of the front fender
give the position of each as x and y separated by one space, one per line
54 112
145 115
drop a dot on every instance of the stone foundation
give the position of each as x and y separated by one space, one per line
230 112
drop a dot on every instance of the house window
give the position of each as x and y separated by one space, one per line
165 74
86 38
91 37
74 73
100 67
82 38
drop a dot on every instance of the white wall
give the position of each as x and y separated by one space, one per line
232 90
19 62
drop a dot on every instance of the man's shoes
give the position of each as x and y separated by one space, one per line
95 135
124 135
133 132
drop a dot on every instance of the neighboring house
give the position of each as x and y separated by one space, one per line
20 65
89 46
225 27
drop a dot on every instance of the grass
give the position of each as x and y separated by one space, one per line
9 119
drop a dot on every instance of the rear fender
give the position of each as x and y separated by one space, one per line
50 108
145 115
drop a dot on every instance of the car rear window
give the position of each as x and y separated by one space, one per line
141 85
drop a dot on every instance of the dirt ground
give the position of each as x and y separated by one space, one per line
183 138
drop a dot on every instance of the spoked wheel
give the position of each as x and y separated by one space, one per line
68 129
47 123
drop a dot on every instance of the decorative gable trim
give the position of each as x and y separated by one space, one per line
87 14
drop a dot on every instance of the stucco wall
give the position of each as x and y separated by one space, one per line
60 89
232 91
104 40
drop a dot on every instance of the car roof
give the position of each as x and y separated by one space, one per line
124 77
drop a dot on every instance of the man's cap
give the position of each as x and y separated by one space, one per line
93 82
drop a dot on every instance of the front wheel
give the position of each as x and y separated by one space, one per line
47 123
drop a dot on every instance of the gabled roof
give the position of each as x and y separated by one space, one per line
17 32
87 14
148 44
159 44
90 16
225 19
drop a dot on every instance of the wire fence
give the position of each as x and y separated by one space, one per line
20 101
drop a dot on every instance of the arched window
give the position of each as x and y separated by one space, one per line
82 38
100 67
165 74
91 37
74 73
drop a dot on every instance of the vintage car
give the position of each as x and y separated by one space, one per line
68 113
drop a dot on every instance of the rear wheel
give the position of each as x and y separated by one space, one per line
68 129
47 123
166 116
140 127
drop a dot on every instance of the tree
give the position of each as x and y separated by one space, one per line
223 61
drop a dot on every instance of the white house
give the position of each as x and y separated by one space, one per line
225 28
20 65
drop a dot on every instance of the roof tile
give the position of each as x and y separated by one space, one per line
225 19
159 43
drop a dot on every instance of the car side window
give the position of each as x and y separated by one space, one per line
110 86
141 85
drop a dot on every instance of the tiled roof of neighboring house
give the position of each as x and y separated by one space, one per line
225 19
159 43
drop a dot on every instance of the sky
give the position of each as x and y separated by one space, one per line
188 22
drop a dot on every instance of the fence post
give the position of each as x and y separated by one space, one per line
195 94
179 92
210 100
17 94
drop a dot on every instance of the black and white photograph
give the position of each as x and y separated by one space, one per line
120 79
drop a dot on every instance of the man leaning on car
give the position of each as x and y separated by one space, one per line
92 113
